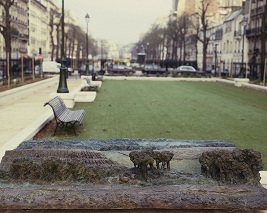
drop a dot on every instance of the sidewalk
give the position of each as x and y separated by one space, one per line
22 113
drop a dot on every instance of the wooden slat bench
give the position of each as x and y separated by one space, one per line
65 117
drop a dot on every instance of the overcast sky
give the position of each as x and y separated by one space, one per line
119 20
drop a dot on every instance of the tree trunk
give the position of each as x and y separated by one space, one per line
52 39
7 39
204 62
263 40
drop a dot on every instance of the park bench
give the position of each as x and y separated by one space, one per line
93 87
65 117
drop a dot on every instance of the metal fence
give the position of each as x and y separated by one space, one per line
18 68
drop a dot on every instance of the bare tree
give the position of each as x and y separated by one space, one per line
203 36
184 23
53 16
151 43
5 30
173 37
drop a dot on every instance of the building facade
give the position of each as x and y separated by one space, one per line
31 27
38 28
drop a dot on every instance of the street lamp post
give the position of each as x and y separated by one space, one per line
244 24
87 18
215 63
62 87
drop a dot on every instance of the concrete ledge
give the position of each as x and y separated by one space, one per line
240 81
263 178
28 133
85 96
255 86
225 81
13 95
134 78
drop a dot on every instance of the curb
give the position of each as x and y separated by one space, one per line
22 91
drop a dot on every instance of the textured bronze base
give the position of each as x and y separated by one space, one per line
181 187
131 197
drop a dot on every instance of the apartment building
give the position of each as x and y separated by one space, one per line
236 41
253 32
228 44
38 28
19 29
30 28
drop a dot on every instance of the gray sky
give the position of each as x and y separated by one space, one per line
119 20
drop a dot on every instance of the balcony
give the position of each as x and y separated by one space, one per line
14 33
23 50
257 11
24 37
237 33
254 31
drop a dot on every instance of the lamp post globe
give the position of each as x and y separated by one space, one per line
87 19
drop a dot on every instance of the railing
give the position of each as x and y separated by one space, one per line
253 31
237 33
24 36
23 50
257 11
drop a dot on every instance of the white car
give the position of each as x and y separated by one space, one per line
185 70
1 74
51 67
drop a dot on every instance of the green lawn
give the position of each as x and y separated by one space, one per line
178 110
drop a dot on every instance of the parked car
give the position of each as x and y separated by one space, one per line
186 70
82 69
51 67
236 72
70 70
2 74
153 69
119 69
223 72
16 69
209 70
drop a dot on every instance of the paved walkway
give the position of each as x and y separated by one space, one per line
21 111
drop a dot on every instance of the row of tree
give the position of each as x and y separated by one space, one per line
188 29
75 37
180 31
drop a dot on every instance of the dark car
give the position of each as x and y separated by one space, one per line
82 69
225 72
222 72
153 69
119 69
2 74
209 70
16 69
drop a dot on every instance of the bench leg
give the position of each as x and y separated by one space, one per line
55 131
65 125
71 125
58 123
